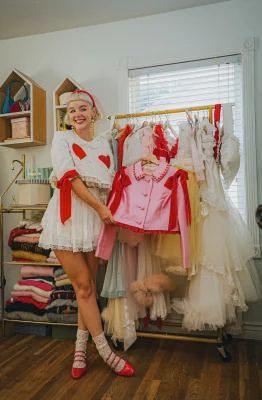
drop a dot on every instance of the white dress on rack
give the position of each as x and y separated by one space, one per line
226 278
188 156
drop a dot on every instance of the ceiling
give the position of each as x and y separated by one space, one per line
30 17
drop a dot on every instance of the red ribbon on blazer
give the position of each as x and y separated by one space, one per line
174 149
172 184
121 180
161 153
65 186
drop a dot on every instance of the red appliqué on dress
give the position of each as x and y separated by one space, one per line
106 160
79 152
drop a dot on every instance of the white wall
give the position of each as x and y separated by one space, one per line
90 56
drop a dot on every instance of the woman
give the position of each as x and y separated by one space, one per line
82 173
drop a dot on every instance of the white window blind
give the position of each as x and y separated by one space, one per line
193 84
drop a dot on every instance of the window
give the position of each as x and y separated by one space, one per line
196 83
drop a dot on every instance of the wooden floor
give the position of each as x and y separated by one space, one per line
38 368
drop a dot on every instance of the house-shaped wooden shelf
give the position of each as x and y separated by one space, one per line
67 86
36 114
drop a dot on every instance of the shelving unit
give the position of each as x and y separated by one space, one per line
20 114
14 209
37 113
68 85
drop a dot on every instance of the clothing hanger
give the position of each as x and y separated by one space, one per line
150 159
189 118
204 128
145 123
160 120
168 125
152 123
137 125
117 126
120 133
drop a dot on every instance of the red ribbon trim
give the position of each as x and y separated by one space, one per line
149 231
217 113
121 180
174 149
172 184
161 153
65 186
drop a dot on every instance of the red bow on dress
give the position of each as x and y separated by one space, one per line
174 149
121 180
64 184
217 113
161 153
172 184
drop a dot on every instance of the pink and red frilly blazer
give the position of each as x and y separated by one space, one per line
151 203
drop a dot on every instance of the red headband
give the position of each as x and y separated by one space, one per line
91 97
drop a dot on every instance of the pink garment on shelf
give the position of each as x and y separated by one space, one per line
24 239
40 285
51 260
61 277
130 237
35 296
28 271
156 203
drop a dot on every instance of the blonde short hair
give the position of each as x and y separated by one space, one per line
75 97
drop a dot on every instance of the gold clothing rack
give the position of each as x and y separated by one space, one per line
208 108
219 340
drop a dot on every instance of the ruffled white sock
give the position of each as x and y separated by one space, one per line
80 349
115 362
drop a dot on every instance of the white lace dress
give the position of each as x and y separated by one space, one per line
93 161
226 278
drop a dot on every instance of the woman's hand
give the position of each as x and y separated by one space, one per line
105 215
84 194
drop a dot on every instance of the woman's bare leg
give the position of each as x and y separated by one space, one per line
92 263
77 269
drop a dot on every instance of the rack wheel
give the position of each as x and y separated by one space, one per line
227 338
224 354
117 345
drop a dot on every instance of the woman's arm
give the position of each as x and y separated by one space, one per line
84 194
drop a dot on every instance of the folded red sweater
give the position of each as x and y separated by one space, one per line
40 285
26 300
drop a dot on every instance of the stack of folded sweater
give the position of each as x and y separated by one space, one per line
62 307
24 240
24 246
52 258
31 295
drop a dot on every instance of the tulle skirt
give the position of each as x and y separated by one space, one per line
226 278
79 233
